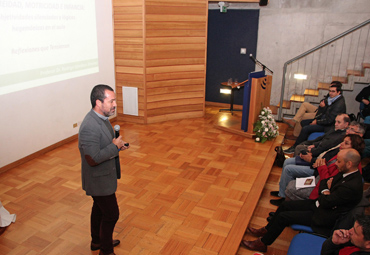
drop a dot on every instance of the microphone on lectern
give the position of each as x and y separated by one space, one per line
253 58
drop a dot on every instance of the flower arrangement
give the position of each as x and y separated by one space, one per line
265 127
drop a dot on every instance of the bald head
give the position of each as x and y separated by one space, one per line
348 160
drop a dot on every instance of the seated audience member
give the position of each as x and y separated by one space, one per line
361 130
324 169
355 241
329 108
305 111
338 195
364 97
293 169
331 138
356 128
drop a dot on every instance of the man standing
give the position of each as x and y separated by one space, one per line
338 195
100 167
355 241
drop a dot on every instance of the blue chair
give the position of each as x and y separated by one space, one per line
367 120
314 135
306 244
302 228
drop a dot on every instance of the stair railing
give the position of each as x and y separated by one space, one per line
315 49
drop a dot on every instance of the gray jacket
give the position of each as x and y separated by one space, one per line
98 166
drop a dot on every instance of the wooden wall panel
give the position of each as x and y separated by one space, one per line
182 82
174 116
129 53
160 48
176 40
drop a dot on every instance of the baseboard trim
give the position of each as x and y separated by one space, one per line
37 154
42 151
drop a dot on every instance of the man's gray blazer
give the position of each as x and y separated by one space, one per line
98 166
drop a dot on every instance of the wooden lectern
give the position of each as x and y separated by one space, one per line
256 96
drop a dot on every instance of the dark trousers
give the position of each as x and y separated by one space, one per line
307 129
288 213
104 215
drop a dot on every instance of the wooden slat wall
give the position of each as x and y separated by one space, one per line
163 54
129 53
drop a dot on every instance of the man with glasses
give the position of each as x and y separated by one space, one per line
356 128
329 108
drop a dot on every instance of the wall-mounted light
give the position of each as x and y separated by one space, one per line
300 76
225 91
223 6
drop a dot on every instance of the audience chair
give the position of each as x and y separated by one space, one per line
302 228
306 244
314 135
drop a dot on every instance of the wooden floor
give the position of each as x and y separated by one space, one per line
186 188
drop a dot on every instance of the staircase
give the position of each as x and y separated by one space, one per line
345 58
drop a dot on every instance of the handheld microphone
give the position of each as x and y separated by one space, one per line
116 129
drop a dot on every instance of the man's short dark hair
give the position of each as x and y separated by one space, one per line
346 118
364 221
98 93
337 85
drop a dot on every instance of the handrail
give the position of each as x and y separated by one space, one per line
309 52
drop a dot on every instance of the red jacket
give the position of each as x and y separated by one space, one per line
325 172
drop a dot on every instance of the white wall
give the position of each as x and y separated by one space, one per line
37 118
34 119
288 28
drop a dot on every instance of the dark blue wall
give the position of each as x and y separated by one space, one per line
227 33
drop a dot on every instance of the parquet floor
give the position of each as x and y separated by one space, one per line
184 184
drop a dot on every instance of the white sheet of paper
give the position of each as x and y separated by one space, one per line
301 182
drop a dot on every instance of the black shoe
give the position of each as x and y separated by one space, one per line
95 247
269 219
277 202
271 214
274 193
290 150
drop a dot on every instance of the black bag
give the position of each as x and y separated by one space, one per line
280 157
352 117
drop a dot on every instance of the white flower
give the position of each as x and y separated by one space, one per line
267 126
